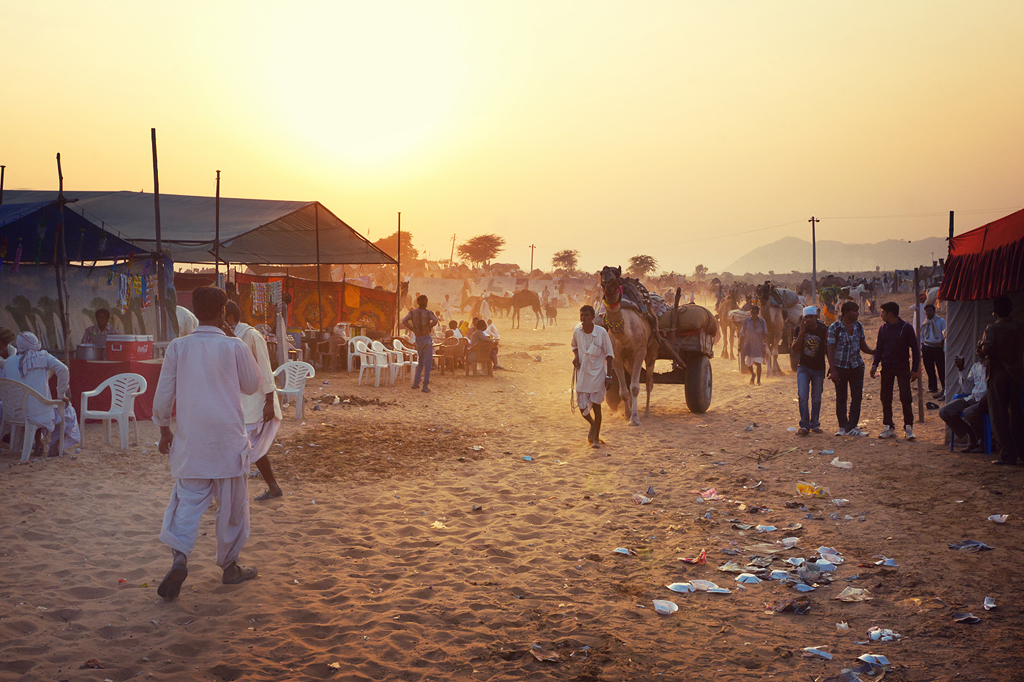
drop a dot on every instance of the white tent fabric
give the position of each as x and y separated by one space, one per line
251 230
965 323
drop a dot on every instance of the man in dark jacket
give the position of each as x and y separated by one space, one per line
1002 346
895 339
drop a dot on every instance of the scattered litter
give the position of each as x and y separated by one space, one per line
877 634
887 563
701 558
334 666
790 543
527 458
802 587
841 502
811 489
799 607
748 578
721 590
640 499
766 529
792 429
622 550
830 554
990 603
998 518
703 585
742 526
709 494
843 626
438 525
829 452
969 545
778 575
822 651
732 567
852 594
966 618
664 607
478 448
873 661
836 463
795 561
538 652
650 491
681 587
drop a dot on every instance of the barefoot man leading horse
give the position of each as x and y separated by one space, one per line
592 357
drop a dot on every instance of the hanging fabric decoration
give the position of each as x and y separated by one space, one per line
17 256
131 260
275 292
145 269
122 291
112 272
259 299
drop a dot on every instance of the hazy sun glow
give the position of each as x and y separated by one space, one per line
675 128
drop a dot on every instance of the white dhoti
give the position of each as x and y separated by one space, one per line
585 401
261 437
189 499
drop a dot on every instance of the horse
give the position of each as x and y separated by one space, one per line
523 299
634 343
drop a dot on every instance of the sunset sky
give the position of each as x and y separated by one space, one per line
690 131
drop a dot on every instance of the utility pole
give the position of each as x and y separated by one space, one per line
451 261
814 260
532 247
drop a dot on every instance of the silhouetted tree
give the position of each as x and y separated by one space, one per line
566 259
641 266
481 249
700 272
387 245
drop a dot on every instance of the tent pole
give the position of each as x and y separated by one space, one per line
950 228
216 235
63 299
2 185
319 305
159 246
398 287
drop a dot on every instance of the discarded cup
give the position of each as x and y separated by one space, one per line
990 603
665 607
998 518
836 463
842 626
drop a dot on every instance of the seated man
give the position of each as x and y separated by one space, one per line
454 327
964 415
7 348
479 336
96 335
33 366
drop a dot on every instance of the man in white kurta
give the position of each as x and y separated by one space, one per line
205 374
33 367
592 357
262 409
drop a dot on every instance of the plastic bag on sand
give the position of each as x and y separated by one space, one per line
811 489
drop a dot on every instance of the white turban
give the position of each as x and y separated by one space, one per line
30 353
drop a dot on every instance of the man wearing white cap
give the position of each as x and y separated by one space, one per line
810 343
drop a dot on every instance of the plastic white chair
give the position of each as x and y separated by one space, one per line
370 360
295 375
124 388
15 396
394 359
353 352
410 357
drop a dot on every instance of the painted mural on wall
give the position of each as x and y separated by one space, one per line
28 301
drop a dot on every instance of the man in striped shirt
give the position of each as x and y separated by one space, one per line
845 342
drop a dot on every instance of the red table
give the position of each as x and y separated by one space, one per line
86 375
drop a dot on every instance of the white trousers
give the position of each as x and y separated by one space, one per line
261 437
189 499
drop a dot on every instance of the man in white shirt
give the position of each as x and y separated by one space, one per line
964 415
933 354
262 409
33 366
492 331
205 374
592 357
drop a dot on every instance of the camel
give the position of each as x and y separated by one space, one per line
634 343
551 312
773 319
502 304
729 331
523 299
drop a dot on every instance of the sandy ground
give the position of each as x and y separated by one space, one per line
414 542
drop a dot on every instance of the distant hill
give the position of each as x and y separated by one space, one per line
792 253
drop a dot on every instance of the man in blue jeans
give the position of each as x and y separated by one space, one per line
810 343
846 341
421 322
897 346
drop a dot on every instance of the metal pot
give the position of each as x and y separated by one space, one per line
88 351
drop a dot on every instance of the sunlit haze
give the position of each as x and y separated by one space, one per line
690 131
